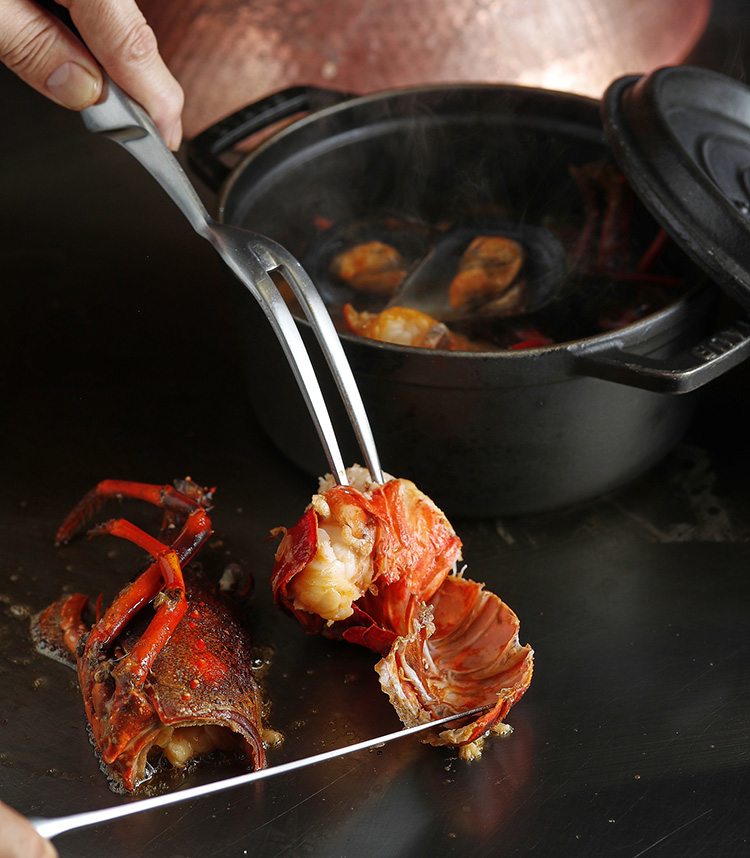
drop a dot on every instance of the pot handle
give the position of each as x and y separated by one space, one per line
680 373
205 149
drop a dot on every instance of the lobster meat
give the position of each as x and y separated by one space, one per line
166 672
375 565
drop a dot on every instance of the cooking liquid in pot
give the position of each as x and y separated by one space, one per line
488 282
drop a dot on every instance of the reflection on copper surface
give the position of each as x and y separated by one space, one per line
228 53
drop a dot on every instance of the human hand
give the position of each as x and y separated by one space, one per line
19 840
43 52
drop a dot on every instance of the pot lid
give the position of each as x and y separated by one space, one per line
682 137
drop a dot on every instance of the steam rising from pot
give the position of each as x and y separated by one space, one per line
411 170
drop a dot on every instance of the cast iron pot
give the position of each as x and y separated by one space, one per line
502 433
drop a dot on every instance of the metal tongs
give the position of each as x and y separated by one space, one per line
52 826
251 257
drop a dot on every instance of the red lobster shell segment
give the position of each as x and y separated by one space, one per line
372 564
350 566
154 688
462 652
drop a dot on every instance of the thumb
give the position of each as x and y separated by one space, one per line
19 840
44 53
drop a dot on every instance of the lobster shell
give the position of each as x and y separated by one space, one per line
203 677
448 645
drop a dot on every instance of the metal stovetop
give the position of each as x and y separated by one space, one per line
634 738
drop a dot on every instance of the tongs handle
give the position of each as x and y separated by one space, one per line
250 257
123 120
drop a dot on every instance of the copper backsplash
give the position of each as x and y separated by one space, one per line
227 53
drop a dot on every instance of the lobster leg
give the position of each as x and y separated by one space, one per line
114 685
615 230
587 238
72 620
154 686
103 685
58 629
165 575
174 502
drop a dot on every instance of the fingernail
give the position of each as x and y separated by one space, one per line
73 86
174 138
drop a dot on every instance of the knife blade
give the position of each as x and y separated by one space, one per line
50 827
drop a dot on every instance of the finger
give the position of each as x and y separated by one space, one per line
117 34
45 54
19 840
